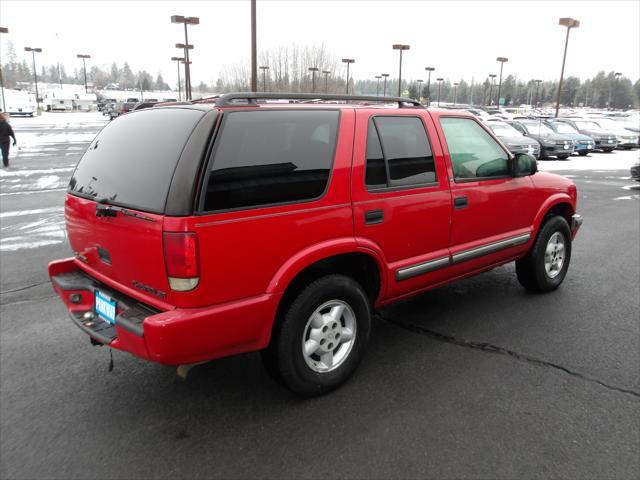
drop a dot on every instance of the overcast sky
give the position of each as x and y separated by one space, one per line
460 39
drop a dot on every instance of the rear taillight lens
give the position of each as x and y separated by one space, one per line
181 260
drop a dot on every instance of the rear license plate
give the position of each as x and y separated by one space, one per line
105 307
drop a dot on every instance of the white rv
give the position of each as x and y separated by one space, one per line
19 103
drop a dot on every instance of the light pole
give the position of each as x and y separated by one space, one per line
187 69
178 60
313 71
538 82
254 49
326 76
419 82
455 93
2 30
35 74
429 69
264 69
439 86
569 23
615 88
348 61
384 90
501 60
378 77
401 47
493 80
84 68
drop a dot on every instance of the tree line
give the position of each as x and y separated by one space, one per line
17 73
287 70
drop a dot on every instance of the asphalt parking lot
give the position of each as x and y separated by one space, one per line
479 379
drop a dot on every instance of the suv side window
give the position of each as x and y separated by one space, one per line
271 157
474 154
398 153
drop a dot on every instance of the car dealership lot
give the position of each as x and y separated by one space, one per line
478 379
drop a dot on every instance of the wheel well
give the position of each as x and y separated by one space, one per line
561 209
359 266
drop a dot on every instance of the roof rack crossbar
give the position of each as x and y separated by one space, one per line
227 99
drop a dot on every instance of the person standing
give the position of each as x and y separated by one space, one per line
6 132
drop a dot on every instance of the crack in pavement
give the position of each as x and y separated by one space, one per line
490 348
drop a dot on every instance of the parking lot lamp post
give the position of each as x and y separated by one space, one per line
84 68
501 60
439 86
538 82
187 69
377 77
35 74
313 71
492 76
419 88
2 30
569 23
326 77
348 61
615 88
401 47
455 93
178 60
429 69
264 69
185 47
384 87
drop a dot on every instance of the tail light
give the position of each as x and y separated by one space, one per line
181 260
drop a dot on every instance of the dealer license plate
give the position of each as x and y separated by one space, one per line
105 307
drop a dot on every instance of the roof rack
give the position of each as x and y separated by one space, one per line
229 99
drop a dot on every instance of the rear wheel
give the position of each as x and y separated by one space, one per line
321 337
546 265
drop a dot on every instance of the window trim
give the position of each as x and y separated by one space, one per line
389 187
224 114
477 179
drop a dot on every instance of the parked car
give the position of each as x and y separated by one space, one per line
120 109
515 141
551 143
583 144
626 139
282 227
605 141
635 172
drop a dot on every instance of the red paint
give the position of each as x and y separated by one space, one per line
246 259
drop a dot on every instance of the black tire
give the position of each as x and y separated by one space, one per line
531 271
284 358
562 157
583 153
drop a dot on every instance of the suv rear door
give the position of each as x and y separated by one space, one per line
117 195
401 199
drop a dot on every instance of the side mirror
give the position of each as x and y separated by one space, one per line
524 165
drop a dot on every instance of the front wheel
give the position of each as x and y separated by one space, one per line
563 157
546 265
583 153
322 336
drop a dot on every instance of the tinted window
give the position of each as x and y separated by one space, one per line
474 154
268 157
399 144
131 161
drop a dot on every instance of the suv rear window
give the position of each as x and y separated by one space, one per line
132 160
270 157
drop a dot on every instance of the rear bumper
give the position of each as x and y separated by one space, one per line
173 337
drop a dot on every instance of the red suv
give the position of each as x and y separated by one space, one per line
206 230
